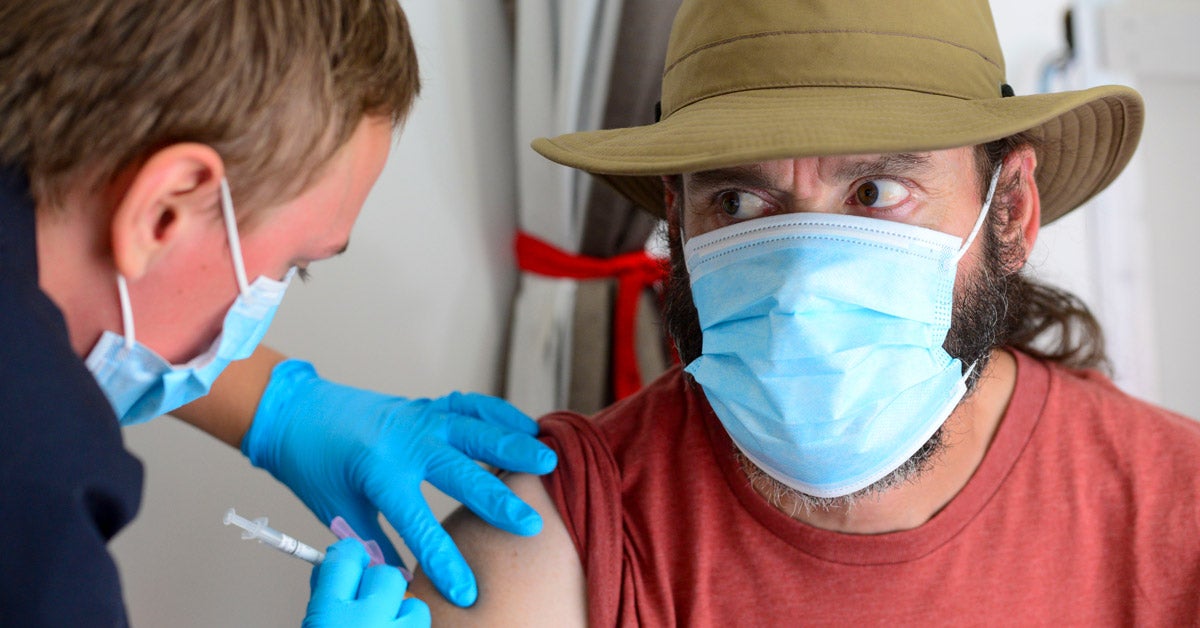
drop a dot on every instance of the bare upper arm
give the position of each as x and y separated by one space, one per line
523 581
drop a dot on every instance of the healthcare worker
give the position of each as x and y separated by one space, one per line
166 169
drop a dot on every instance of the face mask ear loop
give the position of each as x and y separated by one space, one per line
967 371
987 205
126 310
682 234
235 243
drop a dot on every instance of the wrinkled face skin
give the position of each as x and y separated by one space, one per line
937 190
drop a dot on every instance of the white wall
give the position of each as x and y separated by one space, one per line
1066 253
419 306
1169 146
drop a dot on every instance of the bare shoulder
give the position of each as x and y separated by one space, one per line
523 581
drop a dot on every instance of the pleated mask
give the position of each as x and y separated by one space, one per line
823 336
141 385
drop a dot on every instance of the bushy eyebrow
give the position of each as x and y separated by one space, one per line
906 164
752 176
705 181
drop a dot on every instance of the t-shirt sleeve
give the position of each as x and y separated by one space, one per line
586 488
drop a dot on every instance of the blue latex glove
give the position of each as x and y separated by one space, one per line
345 592
356 453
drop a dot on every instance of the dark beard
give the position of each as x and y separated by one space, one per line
979 324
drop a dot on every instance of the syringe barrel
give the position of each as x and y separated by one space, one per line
289 545
308 553
273 537
258 529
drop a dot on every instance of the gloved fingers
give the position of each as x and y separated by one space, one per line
446 568
436 552
385 583
491 409
414 613
485 494
377 601
364 518
500 447
337 578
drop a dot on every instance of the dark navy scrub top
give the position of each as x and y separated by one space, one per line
67 483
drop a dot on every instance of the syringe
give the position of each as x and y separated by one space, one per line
258 529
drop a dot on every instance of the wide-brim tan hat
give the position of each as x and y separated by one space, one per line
748 81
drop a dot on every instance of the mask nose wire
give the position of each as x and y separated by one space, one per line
235 243
987 205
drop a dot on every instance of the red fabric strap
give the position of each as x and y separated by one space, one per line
634 272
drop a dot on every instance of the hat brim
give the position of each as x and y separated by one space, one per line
1086 137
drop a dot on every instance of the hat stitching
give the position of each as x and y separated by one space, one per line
785 85
1063 182
823 32
752 141
1109 173
655 159
1075 165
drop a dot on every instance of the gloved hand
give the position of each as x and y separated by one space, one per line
356 453
345 592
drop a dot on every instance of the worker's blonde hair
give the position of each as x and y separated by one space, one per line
91 87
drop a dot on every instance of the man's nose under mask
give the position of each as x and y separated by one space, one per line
823 340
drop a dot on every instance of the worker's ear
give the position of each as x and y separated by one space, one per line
1019 193
169 195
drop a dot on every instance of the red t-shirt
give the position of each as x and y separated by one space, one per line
1085 511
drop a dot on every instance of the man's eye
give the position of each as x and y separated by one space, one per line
880 193
741 205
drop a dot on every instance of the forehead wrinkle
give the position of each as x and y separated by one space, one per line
906 164
844 168
750 175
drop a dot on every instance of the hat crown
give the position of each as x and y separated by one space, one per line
943 47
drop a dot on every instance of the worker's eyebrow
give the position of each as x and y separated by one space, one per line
339 250
303 263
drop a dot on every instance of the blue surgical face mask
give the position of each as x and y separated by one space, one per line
823 339
141 385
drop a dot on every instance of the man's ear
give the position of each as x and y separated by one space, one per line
669 199
1022 200
167 196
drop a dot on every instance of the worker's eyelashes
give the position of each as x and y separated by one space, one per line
303 274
